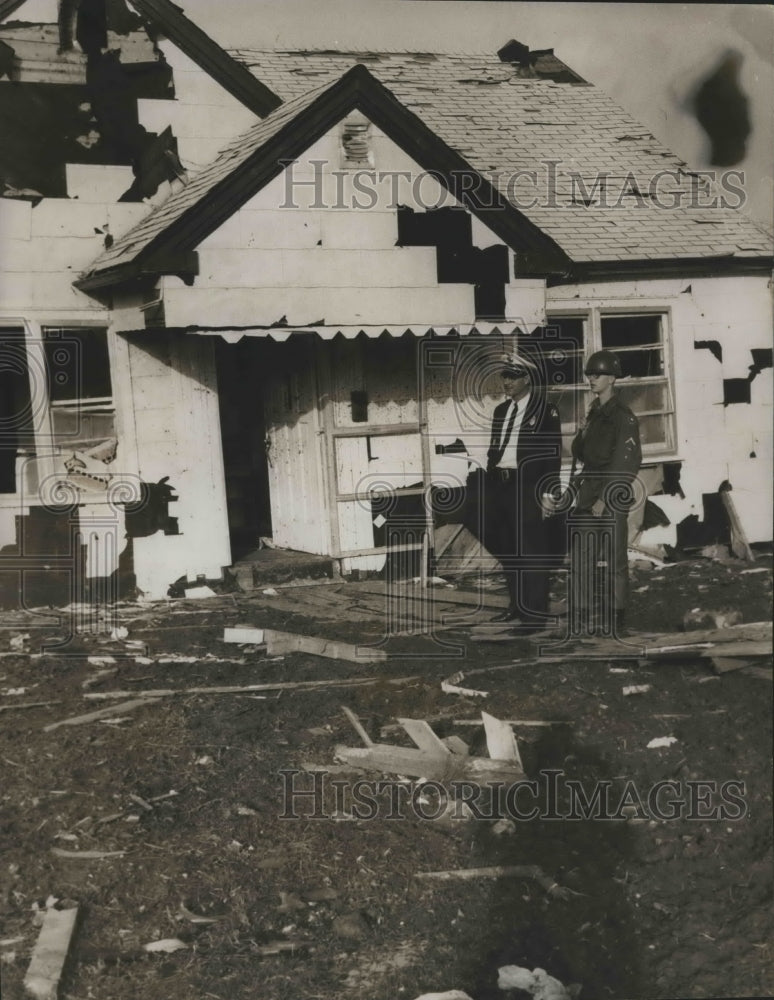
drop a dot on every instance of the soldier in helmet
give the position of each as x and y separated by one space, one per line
607 447
523 464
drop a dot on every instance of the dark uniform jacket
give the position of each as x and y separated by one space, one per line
538 454
608 446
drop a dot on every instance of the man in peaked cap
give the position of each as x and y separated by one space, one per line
523 464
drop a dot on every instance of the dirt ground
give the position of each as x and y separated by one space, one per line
317 908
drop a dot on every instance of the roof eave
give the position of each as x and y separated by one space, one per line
682 267
184 266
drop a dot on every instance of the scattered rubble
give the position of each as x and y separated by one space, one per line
533 872
661 741
166 946
630 689
50 953
700 618
537 983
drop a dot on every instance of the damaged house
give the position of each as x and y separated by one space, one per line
260 294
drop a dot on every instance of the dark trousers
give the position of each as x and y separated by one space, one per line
599 564
515 533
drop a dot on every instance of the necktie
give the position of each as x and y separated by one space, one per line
508 431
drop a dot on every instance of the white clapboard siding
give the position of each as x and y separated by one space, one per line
97 182
525 302
317 267
15 219
442 305
194 121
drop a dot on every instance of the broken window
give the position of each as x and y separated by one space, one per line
639 340
79 388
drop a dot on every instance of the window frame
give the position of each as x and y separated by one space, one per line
83 405
593 315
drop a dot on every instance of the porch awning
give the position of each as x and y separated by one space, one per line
506 328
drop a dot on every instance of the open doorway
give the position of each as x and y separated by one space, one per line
244 450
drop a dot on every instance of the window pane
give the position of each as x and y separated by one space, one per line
644 397
77 430
630 331
625 334
78 364
653 431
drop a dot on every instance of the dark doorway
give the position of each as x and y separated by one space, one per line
16 433
243 429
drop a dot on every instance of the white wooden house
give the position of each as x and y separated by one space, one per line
285 300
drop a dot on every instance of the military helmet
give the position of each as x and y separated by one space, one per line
603 363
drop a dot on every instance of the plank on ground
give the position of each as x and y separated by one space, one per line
332 649
424 737
49 954
419 764
500 741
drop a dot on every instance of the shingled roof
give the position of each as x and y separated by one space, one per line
510 118
542 144
162 239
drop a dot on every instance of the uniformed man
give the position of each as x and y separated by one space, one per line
523 465
608 448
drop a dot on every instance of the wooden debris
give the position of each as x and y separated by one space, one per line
752 640
165 946
422 734
252 688
332 649
516 722
411 591
745 647
631 689
102 713
28 704
450 686
762 673
456 745
100 675
420 764
277 947
244 634
739 544
357 726
141 802
49 954
724 664
500 741
86 855
532 872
